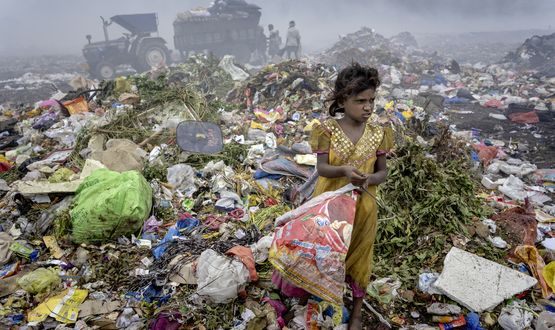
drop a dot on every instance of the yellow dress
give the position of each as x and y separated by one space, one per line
329 138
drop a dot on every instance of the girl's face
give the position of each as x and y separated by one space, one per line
360 107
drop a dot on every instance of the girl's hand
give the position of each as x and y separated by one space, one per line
370 181
355 176
374 179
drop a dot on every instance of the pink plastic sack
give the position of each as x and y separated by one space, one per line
311 243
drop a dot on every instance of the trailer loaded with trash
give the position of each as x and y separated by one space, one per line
230 27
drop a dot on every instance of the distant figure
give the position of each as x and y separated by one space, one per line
293 42
454 67
274 41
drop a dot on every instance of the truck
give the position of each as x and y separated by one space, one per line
139 48
226 27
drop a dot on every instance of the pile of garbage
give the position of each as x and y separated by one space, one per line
368 47
108 223
229 9
294 87
536 53
404 39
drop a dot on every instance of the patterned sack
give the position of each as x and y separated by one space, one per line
311 243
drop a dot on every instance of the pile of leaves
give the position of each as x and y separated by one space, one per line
421 204
165 89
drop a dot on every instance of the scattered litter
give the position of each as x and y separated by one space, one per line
220 278
443 309
63 307
102 193
426 283
515 316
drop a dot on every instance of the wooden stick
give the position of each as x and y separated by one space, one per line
380 317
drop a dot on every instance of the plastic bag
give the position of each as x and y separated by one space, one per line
520 170
261 248
285 167
426 283
530 255
5 252
182 176
384 290
548 273
61 175
310 247
78 105
220 278
513 188
39 280
546 321
234 71
513 317
109 205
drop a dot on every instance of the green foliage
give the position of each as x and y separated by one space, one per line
233 155
10 176
155 172
62 224
421 204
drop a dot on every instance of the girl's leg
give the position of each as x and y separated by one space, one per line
355 321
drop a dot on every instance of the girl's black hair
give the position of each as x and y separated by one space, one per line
351 81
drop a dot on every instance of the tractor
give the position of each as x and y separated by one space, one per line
139 48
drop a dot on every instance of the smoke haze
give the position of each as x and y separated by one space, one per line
38 27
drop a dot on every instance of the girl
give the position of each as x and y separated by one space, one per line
353 150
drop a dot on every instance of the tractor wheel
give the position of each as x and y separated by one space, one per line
151 55
104 71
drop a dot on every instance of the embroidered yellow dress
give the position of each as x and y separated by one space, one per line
328 137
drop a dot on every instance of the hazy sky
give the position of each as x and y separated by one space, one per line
59 26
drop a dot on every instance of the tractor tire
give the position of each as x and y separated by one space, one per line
104 71
151 55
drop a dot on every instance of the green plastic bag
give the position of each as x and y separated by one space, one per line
40 280
109 205
61 175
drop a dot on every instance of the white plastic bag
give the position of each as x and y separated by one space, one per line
182 176
520 170
260 249
236 73
426 283
546 321
513 188
220 278
513 317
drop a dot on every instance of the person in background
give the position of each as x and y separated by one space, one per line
274 42
292 48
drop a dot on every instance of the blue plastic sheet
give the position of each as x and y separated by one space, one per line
150 294
456 100
187 223
440 80
260 174
400 116
159 250
284 166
